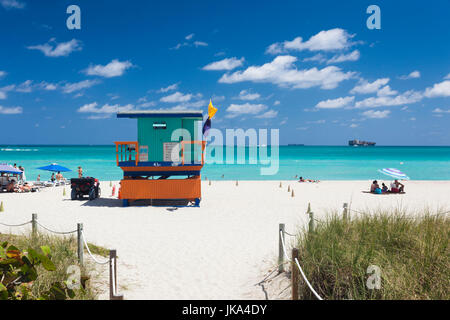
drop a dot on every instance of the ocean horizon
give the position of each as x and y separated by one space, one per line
312 162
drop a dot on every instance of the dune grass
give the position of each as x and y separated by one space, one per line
411 251
63 255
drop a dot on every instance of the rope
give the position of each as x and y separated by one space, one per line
306 280
57 232
289 234
298 265
15 225
89 251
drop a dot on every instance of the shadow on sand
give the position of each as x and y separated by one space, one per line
170 205
104 202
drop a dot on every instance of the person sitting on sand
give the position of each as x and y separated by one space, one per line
384 188
374 186
307 180
397 187
11 186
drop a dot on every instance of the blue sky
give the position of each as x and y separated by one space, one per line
309 68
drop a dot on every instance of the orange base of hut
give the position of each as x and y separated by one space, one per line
189 189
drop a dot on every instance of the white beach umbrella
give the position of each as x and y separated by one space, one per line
395 173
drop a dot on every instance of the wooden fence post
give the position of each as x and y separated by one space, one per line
34 224
113 276
280 248
80 243
294 274
311 222
346 215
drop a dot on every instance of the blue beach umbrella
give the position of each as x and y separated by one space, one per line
55 168
394 173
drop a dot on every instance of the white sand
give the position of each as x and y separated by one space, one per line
218 251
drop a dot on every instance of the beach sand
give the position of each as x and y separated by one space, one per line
218 251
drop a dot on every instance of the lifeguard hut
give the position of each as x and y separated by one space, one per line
166 160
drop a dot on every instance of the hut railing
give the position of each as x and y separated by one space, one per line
127 151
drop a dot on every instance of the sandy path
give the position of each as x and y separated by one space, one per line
218 251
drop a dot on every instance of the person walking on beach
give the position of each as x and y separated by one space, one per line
38 178
24 178
80 172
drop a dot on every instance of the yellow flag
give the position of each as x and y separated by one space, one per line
211 110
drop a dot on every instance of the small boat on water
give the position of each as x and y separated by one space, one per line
361 143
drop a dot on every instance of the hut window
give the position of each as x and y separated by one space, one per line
159 125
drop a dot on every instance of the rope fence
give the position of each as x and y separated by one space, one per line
15 225
282 252
82 243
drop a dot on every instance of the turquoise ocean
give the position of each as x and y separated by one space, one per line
313 162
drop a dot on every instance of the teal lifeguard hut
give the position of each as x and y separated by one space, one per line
166 160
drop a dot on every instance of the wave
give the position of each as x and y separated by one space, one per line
18 150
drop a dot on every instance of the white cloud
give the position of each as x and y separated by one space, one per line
225 64
12 4
354 125
316 58
333 39
268 115
147 104
49 86
352 56
115 68
5 90
200 44
441 89
25 87
439 110
235 110
245 95
407 97
376 114
169 88
77 86
105 109
2 74
335 103
283 72
62 49
365 87
190 105
447 76
11 110
386 91
177 97
276 103
412 75
189 36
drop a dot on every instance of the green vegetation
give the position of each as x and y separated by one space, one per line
41 264
412 253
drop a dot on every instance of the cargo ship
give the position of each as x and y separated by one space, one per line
361 143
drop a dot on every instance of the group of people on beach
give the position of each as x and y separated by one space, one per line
16 182
396 187
306 180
